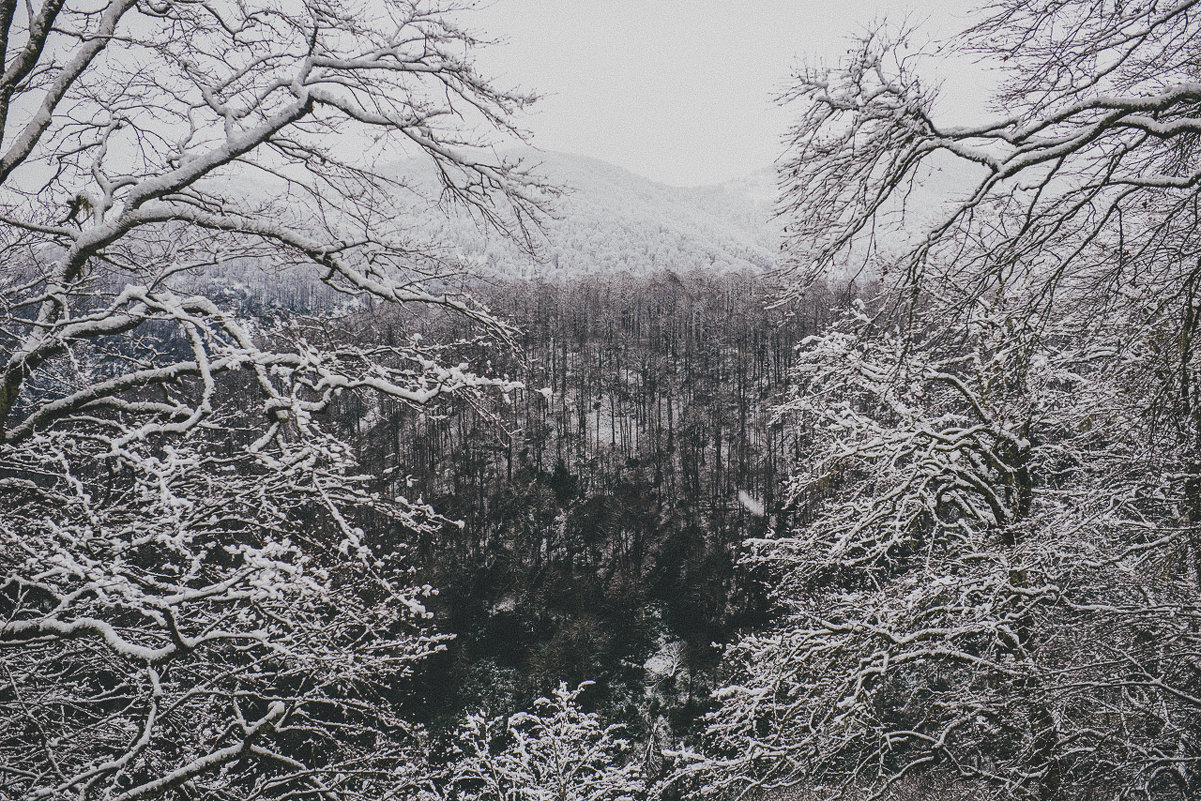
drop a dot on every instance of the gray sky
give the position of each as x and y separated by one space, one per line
679 90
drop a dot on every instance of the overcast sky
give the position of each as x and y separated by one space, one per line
679 90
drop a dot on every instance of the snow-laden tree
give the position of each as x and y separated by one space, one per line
987 589
995 583
557 752
200 597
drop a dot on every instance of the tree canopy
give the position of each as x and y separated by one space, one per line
193 605
997 586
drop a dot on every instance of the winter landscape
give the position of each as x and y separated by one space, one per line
359 441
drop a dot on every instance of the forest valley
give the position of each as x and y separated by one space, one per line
303 499
598 513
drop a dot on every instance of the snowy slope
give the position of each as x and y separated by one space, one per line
608 221
611 221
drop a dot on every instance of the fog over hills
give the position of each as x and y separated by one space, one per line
607 221
611 221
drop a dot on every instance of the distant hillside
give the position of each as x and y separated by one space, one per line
612 221
607 221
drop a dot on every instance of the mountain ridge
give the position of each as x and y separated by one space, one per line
609 220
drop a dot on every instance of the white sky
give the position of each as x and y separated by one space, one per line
680 90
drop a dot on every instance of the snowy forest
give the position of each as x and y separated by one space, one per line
354 449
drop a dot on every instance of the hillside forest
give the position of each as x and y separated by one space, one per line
354 449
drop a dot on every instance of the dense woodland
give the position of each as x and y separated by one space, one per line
295 506
601 519
596 513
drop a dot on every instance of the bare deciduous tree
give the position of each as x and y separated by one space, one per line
191 604
998 585
558 752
